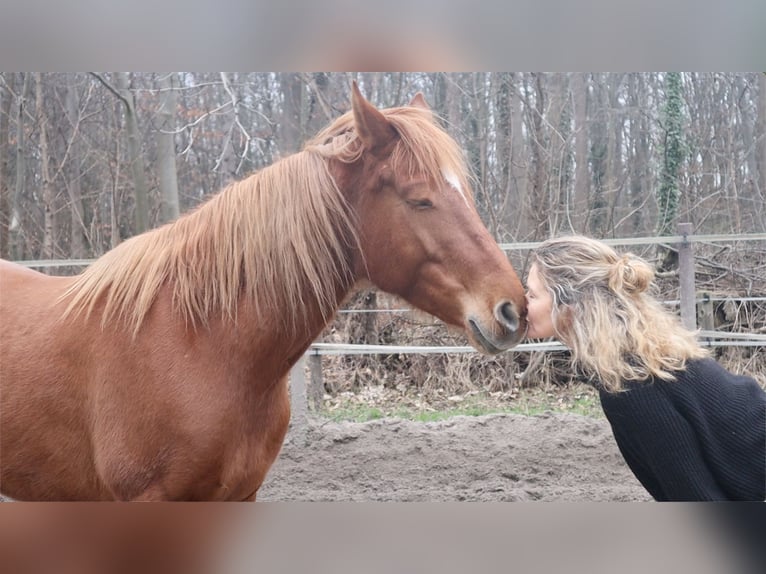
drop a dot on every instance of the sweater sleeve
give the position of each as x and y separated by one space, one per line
659 445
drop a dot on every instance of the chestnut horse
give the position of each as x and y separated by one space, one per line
160 372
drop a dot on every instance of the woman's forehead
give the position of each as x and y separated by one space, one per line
533 277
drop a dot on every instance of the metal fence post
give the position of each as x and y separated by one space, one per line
687 288
706 315
298 406
315 391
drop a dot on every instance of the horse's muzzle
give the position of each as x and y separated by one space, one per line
507 331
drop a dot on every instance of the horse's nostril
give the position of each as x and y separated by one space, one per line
506 314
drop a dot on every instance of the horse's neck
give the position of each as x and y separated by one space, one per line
254 332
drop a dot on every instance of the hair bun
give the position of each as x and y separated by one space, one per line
631 274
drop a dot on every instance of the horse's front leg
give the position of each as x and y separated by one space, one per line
250 497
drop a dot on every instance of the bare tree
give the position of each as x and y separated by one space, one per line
5 192
579 204
47 184
551 152
536 101
760 145
637 162
615 169
16 225
74 183
556 127
135 156
166 149
291 124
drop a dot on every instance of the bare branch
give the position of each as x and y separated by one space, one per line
111 88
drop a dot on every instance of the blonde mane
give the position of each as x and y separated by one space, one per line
281 237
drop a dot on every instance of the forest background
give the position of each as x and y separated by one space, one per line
90 159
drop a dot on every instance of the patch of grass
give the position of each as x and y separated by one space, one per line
530 402
358 413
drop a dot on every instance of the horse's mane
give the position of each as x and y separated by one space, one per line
279 237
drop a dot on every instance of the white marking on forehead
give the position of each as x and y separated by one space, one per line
454 182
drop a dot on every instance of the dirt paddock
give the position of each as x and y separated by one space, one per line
489 458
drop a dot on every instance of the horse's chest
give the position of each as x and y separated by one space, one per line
244 470
248 459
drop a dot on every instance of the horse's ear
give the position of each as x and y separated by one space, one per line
419 101
373 129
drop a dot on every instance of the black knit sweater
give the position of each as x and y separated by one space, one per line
700 437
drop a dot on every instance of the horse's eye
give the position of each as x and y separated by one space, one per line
420 203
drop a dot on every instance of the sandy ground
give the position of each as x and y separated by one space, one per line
490 458
502 457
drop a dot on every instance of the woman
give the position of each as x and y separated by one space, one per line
687 428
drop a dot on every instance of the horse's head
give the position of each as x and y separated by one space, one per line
420 235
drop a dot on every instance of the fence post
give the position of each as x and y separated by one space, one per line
706 316
687 289
298 410
315 391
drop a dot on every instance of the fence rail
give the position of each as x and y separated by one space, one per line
303 391
656 240
707 338
688 302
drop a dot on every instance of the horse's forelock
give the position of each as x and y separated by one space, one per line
424 148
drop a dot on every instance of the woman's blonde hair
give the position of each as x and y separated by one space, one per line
605 312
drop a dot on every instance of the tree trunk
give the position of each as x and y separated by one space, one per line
48 199
638 161
479 153
557 130
615 179
74 186
668 197
759 177
708 187
599 141
519 175
672 158
291 137
731 156
579 204
227 165
320 106
541 204
16 249
5 192
166 149
502 94
136 157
